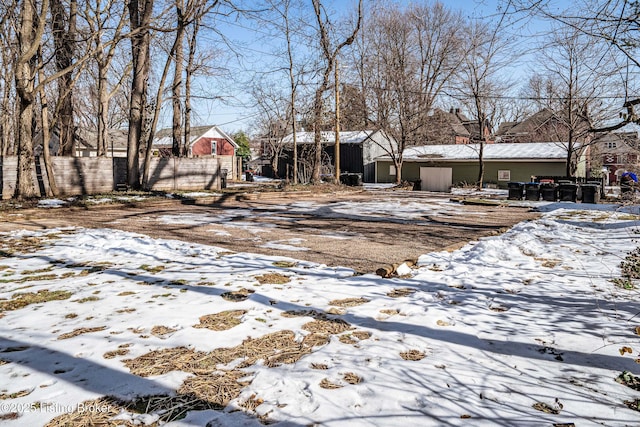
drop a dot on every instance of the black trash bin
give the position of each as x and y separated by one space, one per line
549 191
532 191
223 178
567 192
516 190
248 176
351 179
590 193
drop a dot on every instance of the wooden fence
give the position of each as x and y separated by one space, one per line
93 175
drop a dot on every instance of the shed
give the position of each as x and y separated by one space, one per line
439 167
358 149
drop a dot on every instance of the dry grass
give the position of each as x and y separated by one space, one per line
285 264
109 408
327 326
126 293
349 302
390 311
272 349
413 355
352 378
81 331
21 300
354 337
319 366
215 388
152 269
160 362
25 244
304 313
122 350
86 299
272 279
401 292
17 394
162 331
237 296
251 403
167 408
325 383
222 321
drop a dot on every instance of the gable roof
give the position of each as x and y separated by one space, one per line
164 137
530 124
329 137
534 151
116 138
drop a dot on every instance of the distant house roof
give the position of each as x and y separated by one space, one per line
347 137
536 151
116 138
545 125
164 137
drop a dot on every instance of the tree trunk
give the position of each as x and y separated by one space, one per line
187 89
64 29
46 132
103 111
30 30
176 87
140 18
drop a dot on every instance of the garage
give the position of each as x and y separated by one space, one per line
436 179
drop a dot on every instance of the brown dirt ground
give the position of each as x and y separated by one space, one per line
373 241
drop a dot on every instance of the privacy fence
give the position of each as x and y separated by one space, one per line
93 175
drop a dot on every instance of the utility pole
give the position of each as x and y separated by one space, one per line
336 151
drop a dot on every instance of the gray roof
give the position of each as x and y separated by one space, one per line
116 138
549 151
347 137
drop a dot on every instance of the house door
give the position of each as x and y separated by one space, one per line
436 179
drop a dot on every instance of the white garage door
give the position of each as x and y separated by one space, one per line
436 179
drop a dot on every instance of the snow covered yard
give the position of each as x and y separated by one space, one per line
526 328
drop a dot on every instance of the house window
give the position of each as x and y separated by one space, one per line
214 148
504 175
610 144
392 170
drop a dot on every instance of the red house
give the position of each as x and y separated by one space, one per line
204 141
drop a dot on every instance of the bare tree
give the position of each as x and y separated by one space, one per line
579 78
273 122
411 55
613 22
480 84
330 51
106 27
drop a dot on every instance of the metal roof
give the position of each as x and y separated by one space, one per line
347 137
553 151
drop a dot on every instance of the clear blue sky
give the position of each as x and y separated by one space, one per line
236 117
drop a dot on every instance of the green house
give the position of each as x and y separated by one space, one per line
439 167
